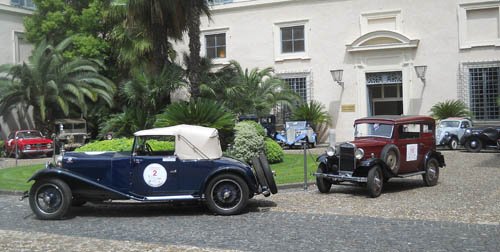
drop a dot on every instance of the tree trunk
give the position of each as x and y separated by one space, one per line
194 50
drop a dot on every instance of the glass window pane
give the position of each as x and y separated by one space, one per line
221 39
298 32
286 33
376 91
390 91
298 46
286 46
210 40
211 53
221 52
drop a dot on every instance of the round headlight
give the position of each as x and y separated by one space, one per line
468 131
27 147
446 133
49 146
359 154
330 151
59 160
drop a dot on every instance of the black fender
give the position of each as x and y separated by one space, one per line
437 155
447 139
328 161
245 174
367 164
67 176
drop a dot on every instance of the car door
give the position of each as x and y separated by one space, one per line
409 146
154 172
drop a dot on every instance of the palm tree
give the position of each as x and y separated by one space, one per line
449 108
313 112
52 85
250 92
154 21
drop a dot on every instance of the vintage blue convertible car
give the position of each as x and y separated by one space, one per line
178 163
296 133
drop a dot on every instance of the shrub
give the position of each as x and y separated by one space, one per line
116 144
313 112
260 130
247 141
274 152
449 108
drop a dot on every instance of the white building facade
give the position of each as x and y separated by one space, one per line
14 49
376 44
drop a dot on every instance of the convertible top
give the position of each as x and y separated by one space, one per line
191 142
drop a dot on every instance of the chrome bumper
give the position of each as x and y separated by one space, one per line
37 151
341 177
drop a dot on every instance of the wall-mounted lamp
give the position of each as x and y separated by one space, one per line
420 70
337 76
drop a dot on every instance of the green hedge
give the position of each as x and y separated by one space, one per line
123 144
274 152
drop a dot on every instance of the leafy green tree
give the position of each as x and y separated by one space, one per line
449 108
313 112
250 92
53 85
86 21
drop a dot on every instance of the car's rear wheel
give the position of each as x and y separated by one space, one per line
268 173
453 145
227 194
474 145
390 155
324 185
375 181
50 198
431 175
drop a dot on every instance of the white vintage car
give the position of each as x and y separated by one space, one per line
450 130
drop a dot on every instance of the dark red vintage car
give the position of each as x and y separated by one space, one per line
29 143
384 147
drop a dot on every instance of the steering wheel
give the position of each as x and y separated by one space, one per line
148 149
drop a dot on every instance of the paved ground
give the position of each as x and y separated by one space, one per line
461 213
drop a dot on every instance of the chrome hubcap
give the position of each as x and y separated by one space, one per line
473 144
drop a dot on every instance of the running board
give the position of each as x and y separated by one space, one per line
177 197
410 174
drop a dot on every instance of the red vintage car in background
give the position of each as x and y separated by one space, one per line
29 143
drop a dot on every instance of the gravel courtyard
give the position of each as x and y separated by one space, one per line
461 213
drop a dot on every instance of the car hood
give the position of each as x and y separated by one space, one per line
370 142
35 141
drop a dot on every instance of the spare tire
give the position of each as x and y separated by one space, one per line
259 172
391 157
268 173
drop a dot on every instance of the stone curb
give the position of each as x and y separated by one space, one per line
11 193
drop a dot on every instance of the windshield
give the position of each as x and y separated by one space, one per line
373 130
29 134
451 124
297 125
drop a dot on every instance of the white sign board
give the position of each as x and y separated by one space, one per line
155 175
411 152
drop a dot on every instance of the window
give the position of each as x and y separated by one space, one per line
22 48
292 39
409 131
484 90
155 146
299 86
299 83
479 24
385 93
23 3
216 45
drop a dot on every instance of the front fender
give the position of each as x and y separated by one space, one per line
368 163
437 155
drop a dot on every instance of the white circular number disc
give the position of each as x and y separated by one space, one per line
155 175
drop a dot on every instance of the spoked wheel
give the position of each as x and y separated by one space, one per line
431 175
50 199
227 194
375 181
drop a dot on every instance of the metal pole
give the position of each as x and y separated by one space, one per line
54 148
305 165
16 153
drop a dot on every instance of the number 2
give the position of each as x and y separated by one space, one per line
154 172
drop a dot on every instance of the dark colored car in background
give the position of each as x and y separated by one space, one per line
179 163
478 138
24 143
384 147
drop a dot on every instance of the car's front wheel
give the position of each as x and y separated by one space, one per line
227 194
50 198
453 145
323 184
431 175
375 181
474 145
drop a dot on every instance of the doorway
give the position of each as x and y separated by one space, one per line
385 93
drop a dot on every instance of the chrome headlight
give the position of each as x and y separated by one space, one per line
359 154
27 147
468 131
330 151
49 146
447 133
282 132
59 159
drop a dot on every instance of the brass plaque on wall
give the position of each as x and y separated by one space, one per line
348 108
